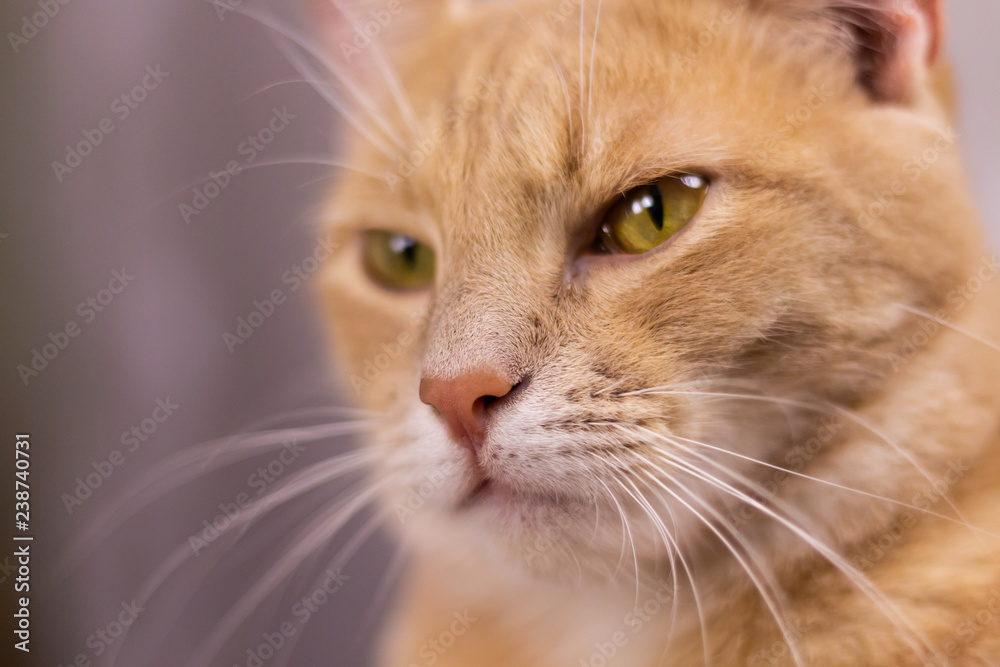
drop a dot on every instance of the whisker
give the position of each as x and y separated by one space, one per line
391 577
852 573
284 82
691 580
297 485
339 106
311 161
616 383
555 63
314 534
341 559
593 48
310 74
841 487
651 515
757 573
583 123
621 553
597 518
949 325
628 530
395 87
827 408
672 549
191 463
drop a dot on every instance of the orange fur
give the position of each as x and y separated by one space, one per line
839 208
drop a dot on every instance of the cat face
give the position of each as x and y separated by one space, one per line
541 385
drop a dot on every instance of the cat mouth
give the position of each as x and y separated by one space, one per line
490 491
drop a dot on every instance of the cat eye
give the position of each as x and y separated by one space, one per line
397 261
649 215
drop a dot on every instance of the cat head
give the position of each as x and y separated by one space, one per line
578 239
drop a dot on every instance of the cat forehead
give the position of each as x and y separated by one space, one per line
516 111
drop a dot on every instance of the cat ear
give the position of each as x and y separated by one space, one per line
896 43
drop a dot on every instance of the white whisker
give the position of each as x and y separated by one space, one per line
343 556
583 122
593 49
949 325
757 573
194 462
555 63
628 529
841 487
311 75
827 408
852 573
391 80
313 535
673 549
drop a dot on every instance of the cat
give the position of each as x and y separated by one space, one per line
678 317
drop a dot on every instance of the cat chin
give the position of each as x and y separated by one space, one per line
535 537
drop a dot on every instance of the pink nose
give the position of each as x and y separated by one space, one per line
463 402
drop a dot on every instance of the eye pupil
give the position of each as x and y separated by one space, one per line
407 248
649 215
397 261
653 203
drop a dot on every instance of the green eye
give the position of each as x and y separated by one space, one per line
649 215
397 261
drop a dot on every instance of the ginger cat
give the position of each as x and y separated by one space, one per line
681 326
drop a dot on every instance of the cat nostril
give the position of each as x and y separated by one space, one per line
464 401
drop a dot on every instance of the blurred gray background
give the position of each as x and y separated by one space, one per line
62 237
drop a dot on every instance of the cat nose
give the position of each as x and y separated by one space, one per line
464 401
